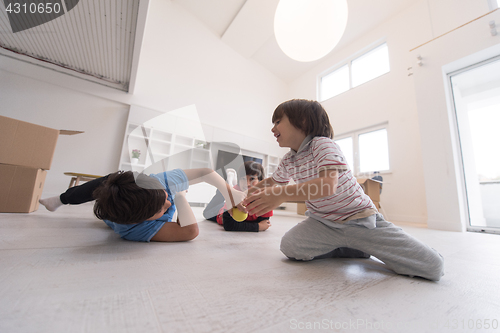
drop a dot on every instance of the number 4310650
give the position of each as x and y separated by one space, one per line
472 324
33 8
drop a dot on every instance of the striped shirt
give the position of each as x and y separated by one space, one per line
321 153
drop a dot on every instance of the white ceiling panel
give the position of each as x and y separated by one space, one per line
93 39
217 15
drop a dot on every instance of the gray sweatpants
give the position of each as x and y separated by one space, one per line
401 252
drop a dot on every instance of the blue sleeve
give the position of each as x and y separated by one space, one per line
177 180
174 181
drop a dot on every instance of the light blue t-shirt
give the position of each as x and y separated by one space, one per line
174 181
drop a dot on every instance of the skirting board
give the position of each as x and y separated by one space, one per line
446 225
406 218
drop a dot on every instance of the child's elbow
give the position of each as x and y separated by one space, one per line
190 232
193 233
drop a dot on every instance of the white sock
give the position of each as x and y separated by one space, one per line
51 203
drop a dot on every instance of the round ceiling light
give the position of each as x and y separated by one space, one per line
307 30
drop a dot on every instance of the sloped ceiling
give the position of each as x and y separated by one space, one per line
247 26
92 39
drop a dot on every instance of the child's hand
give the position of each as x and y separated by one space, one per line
263 201
264 225
252 190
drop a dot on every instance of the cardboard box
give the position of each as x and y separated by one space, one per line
26 151
20 188
27 144
301 208
372 189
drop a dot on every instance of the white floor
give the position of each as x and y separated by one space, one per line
67 272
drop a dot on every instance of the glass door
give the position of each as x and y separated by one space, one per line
476 98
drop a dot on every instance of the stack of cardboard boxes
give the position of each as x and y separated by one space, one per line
26 152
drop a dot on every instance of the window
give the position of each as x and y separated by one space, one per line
373 151
355 72
367 150
498 3
346 145
335 83
370 65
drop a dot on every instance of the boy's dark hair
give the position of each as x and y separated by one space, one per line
124 200
251 168
308 116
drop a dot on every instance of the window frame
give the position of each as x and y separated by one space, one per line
493 4
348 61
356 153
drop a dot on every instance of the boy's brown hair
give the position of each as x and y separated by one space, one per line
128 198
308 116
251 168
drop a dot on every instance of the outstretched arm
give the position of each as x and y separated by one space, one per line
233 197
268 198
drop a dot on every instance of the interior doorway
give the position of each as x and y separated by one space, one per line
476 99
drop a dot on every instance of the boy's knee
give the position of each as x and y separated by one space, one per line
436 268
431 268
291 250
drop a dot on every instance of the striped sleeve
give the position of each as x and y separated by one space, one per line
327 155
281 174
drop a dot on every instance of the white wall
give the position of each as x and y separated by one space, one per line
182 63
97 151
187 64
391 98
